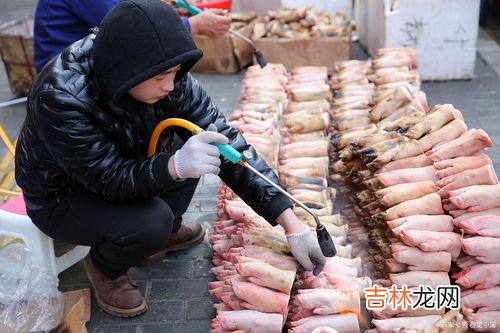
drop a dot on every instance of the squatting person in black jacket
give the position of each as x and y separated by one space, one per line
81 158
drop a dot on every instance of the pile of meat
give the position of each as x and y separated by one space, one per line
331 299
302 23
252 266
255 275
408 171
240 20
476 211
423 204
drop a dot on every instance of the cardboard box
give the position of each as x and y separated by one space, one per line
444 33
322 51
261 7
225 54
16 49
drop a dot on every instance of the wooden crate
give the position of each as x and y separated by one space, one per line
16 50
8 185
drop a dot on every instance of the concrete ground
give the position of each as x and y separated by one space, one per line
176 288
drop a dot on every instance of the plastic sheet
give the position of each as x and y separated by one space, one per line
29 298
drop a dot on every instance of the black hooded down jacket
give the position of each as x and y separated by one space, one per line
83 130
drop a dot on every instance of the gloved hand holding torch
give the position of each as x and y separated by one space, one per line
201 155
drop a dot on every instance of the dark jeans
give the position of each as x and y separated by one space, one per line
121 235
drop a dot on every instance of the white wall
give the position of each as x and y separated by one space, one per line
444 33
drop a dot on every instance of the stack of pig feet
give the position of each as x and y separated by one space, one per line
254 272
330 299
356 140
468 186
478 216
404 166
422 247
394 174
262 94
304 160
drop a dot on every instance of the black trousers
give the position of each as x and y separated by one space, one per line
121 235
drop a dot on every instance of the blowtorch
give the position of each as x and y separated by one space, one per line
325 240
193 10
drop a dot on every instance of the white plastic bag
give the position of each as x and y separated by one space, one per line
29 298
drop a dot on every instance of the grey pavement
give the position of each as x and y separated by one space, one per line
176 288
489 49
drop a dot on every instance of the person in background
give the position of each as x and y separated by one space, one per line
82 163
58 23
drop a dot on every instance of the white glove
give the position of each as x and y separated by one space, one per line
305 248
198 157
